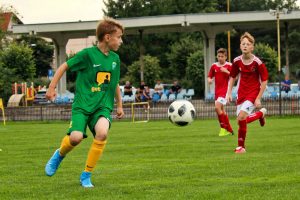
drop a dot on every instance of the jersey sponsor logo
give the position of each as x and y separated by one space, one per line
103 80
95 65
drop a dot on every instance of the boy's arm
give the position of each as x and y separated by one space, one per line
51 94
223 69
120 112
209 80
229 90
263 86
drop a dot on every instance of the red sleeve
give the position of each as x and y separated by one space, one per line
263 72
229 68
211 72
234 70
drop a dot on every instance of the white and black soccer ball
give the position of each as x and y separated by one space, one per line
181 112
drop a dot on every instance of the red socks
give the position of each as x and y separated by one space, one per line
255 116
224 122
221 120
242 133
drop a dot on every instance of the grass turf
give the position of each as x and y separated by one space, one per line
155 160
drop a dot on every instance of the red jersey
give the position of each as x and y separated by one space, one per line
250 78
221 78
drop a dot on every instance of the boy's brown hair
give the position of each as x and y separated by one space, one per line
107 26
249 37
223 51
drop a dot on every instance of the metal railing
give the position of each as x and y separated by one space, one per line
158 111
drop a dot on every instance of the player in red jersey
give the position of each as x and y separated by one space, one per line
252 82
220 71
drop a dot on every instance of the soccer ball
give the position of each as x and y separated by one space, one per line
181 112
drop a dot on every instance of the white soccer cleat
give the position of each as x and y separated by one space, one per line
240 150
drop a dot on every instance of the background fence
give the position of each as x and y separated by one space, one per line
158 111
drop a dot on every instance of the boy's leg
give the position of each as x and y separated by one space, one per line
59 154
77 130
219 111
258 115
243 111
242 133
96 150
229 128
222 117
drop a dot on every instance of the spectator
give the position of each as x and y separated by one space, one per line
286 84
139 93
158 88
146 94
175 89
128 88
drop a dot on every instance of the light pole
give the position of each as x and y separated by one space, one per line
277 13
228 34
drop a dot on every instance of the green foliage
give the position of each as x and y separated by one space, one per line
294 52
179 52
18 57
269 56
137 8
152 71
42 52
7 78
255 5
195 72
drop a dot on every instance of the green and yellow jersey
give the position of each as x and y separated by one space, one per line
97 78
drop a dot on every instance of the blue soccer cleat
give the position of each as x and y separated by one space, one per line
53 163
85 180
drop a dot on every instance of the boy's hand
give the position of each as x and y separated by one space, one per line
223 69
51 94
257 103
228 98
209 80
120 113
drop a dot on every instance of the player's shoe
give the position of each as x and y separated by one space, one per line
223 132
230 132
240 150
85 180
262 120
53 163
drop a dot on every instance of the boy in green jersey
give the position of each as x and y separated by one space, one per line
97 85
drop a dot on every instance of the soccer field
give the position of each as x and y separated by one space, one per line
155 160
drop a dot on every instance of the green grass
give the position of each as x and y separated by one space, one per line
155 160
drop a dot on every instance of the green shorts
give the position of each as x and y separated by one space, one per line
81 120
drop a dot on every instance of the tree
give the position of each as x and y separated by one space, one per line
255 5
19 58
42 52
178 55
152 71
269 57
195 72
7 78
294 51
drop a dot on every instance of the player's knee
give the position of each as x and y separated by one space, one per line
241 118
218 110
76 137
101 136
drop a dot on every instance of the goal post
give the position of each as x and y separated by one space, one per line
140 111
2 109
